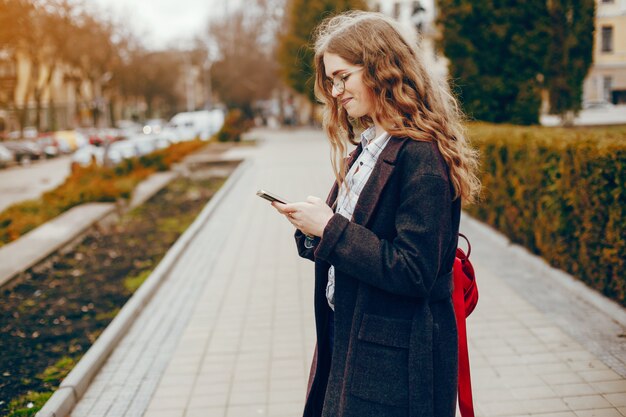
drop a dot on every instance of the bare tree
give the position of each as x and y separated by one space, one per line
14 27
245 70
152 76
93 53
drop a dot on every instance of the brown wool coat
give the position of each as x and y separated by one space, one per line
395 350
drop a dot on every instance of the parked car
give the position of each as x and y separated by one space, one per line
169 134
162 142
70 140
49 146
26 133
153 126
30 133
146 144
6 157
128 128
100 137
143 144
116 152
198 124
24 150
14 135
88 154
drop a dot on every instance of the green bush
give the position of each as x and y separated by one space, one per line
562 194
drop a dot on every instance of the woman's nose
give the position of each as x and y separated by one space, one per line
335 92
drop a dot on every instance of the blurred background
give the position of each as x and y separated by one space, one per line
69 64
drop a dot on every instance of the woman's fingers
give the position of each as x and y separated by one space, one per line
289 208
295 213
282 208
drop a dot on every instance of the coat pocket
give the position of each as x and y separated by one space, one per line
381 364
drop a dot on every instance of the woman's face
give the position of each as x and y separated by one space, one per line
357 99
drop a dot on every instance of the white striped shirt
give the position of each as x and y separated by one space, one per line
356 179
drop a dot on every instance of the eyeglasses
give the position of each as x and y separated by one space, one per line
339 81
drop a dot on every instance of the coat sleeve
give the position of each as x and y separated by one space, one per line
306 246
410 263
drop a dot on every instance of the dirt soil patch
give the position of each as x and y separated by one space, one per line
51 314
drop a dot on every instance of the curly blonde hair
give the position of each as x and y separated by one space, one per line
409 101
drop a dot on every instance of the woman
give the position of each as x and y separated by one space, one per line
384 242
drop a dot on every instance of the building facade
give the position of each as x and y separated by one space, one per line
607 77
60 105
420 15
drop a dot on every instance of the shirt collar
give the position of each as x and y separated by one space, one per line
369 136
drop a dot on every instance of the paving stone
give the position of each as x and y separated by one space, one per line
562 378
206 412
247 410
287 409
164 413
598 376
558 414
568 390
208 400
546 405
587 402
605 412
618 400
531 393
611 387
504 408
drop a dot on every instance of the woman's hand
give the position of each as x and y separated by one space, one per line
310 216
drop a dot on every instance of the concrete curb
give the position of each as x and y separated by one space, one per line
38 244
76 383
149 187
576 287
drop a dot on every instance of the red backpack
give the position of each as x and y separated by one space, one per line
464 298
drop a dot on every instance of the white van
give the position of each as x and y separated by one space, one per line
197 124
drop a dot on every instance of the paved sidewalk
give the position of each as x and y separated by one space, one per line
21 183
231 331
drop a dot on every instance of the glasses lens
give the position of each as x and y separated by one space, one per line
340 84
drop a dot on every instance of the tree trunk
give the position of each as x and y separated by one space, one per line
38 109
52 116
112 112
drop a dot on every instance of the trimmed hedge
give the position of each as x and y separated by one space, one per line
89 184
562 194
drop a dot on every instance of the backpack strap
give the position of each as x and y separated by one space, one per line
461 281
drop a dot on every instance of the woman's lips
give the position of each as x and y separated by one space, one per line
345 101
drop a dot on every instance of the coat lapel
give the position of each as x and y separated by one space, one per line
368 199
373 188
330 200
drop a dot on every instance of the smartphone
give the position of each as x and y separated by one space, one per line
271 197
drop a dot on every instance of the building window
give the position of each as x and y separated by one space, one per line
396 10
418 8
607 91
607 38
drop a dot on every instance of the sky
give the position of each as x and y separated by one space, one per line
163 23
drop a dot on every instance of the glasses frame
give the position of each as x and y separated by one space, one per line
338 82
